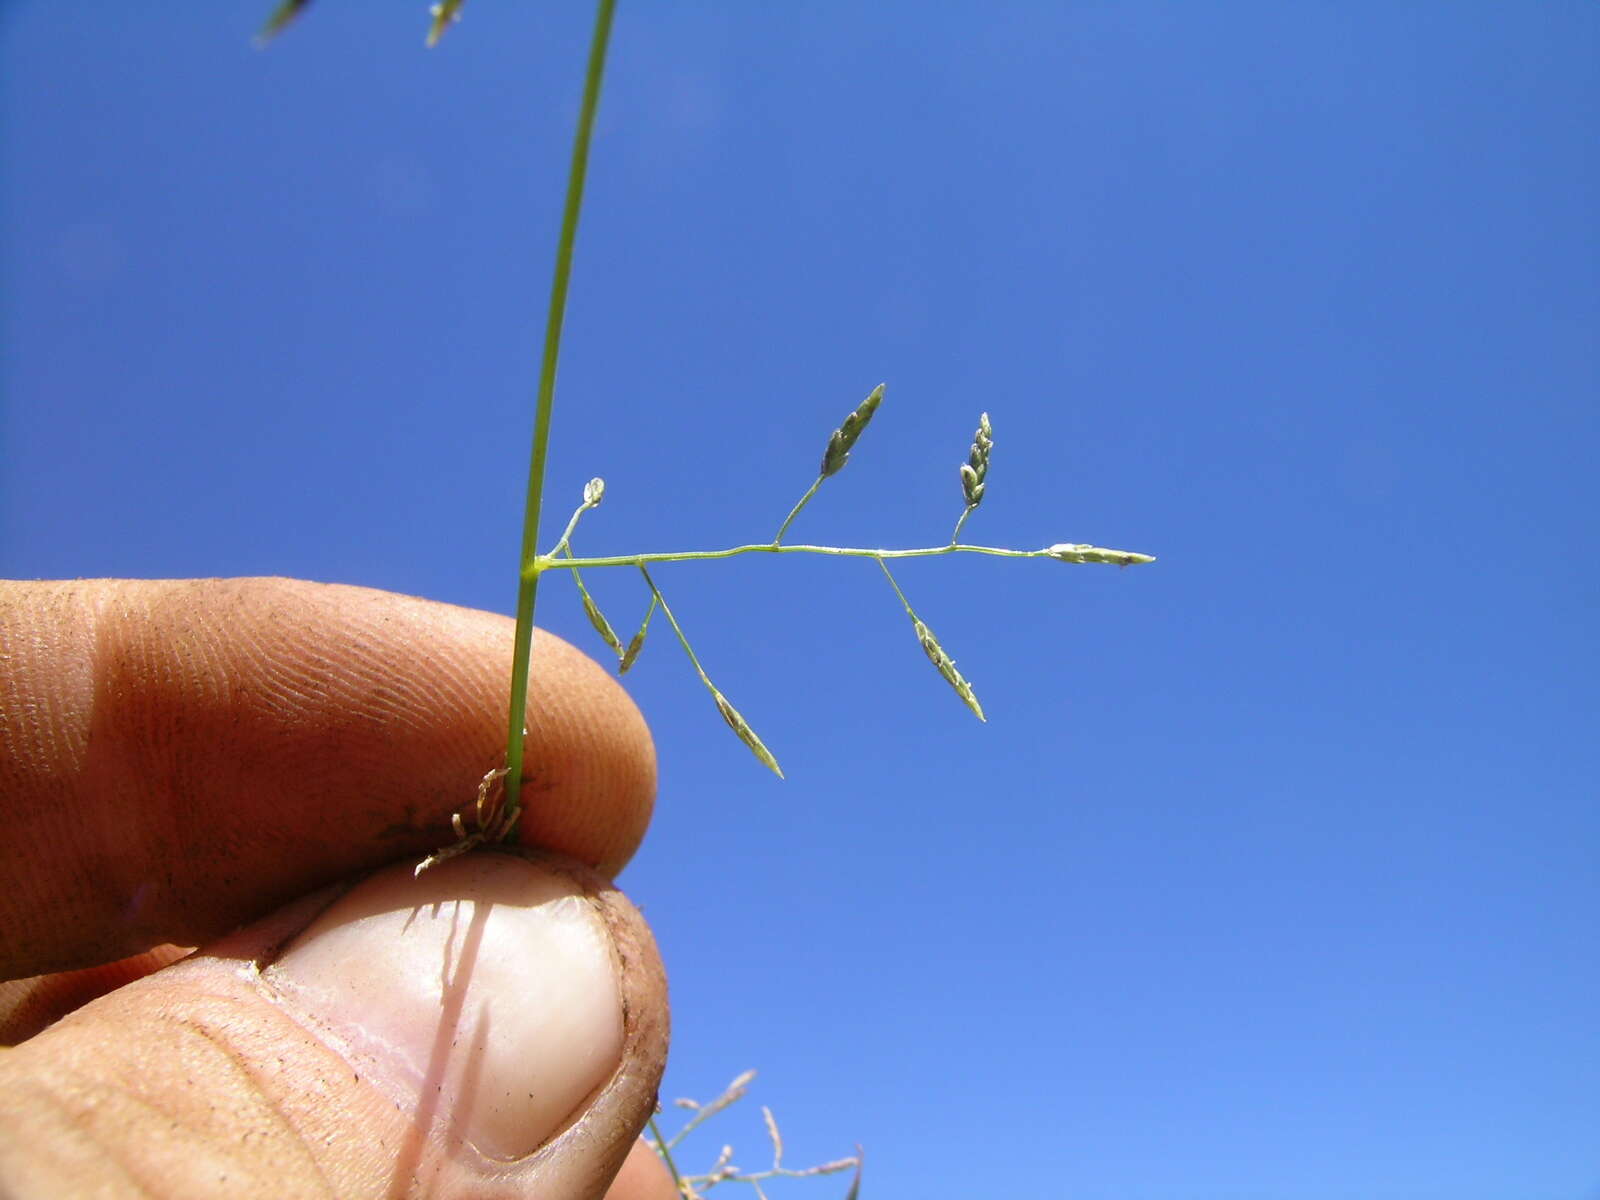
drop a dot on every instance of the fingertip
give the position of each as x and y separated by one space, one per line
199 751
30 1005
586 736
643 1177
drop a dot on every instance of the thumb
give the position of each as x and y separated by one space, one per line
494 1027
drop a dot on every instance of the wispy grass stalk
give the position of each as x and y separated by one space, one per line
1062 552
528 577
730 714
724 1170
497 819
664 1149
943 663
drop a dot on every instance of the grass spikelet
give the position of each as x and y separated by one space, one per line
976 467
844 438
631 653
1078 552
445 14
597 618
947 668
777 1138
973 473
935 652
730 714
741 727
280 19
636 644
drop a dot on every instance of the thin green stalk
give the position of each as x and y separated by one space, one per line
528 578
904 603
546 563
694 659
795 511
960 521
666 1155
943 663
596 617
566 534
730 714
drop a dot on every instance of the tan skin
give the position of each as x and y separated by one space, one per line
180 758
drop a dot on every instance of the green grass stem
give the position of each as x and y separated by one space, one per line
795 511
694 659
730 714
904 603
528 577
960 521
665 1150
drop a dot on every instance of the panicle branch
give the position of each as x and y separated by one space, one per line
723 1169
974 474
493 823
730 714
945 665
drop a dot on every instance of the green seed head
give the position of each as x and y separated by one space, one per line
976 467
631 653
444 14
637 643
971 486
746 735
947 667
1078 552
844 438
281 16
598 620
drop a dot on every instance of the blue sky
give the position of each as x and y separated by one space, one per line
1273 874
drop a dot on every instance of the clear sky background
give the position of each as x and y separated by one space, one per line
1273 875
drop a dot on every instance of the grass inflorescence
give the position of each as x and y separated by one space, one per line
499 801
724 1169
498 820
974 475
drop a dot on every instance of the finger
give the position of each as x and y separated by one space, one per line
177 757
643 1177
29 1005
494 1027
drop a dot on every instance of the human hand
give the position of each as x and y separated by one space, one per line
179 759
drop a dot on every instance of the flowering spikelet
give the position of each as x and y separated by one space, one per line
631 653
281 16
444 14
636 644
598 620
777 1138
740 726
977 464
1078 552
844 437
947 668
